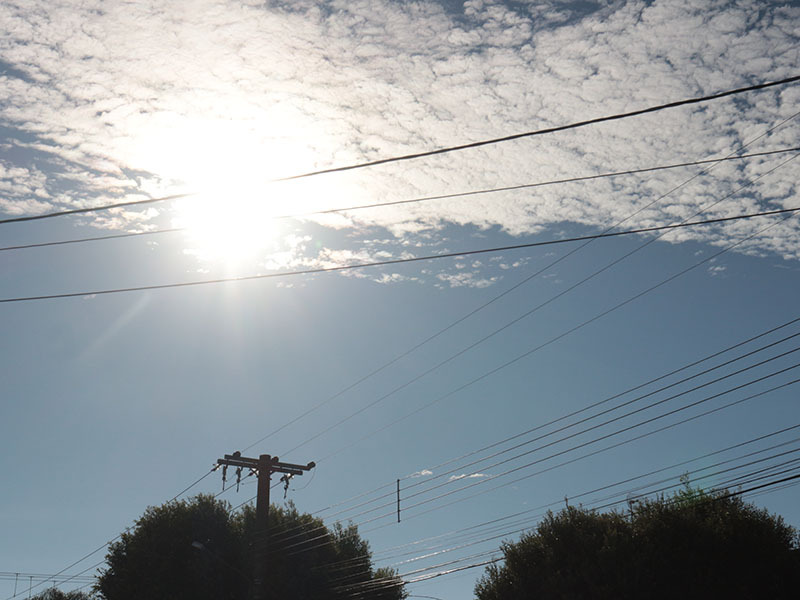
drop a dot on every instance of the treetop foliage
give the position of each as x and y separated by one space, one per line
197 549
695 544
56 594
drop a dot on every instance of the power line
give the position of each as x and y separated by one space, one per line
514 287
587 443
358 207
428 480
628 391
11 575
78 211
190 486
504 293
432 551
604 436
524 315
111 541
445 150
544 131
593 405
491 534
712 498
624 481
554 339
397 261
760 473
512 361
498 559
607 448
759 394
754 476
701 262
495 141
114 236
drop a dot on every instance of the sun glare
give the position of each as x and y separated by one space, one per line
227 166
231 226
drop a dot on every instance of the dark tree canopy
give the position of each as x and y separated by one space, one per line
56 594
693 545
198 550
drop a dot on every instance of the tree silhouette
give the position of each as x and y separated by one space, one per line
692 545
198 550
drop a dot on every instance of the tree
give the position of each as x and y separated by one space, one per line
56 594
199 550
692 545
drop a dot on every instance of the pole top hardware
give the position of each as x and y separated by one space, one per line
275 466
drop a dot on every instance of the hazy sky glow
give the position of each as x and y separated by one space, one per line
103 102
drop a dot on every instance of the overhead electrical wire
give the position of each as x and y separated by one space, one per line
743 240
547 130
504 293
490 535
701 262
596 404
754 477
380 263
511 289
788 478
627 391
495 524
494 551
738 458
737 243
427 480
611 447
595 440
691 418
605 412
364 206
454 148
497 297
448 149
491 334
116 537
11 575
556 338
494 477
100 563
559 241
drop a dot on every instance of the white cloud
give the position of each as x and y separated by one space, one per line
422 473
466 279
121 100
467 476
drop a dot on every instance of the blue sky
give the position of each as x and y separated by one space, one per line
113 403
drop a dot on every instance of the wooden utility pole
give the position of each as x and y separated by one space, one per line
264 466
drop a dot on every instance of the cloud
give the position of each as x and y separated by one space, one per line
422 473
716 270
466 279
105 106
467 476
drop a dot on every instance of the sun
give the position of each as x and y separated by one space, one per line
228 168
233 227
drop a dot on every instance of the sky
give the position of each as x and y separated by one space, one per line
115 402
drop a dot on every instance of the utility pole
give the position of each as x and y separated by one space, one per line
264 466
